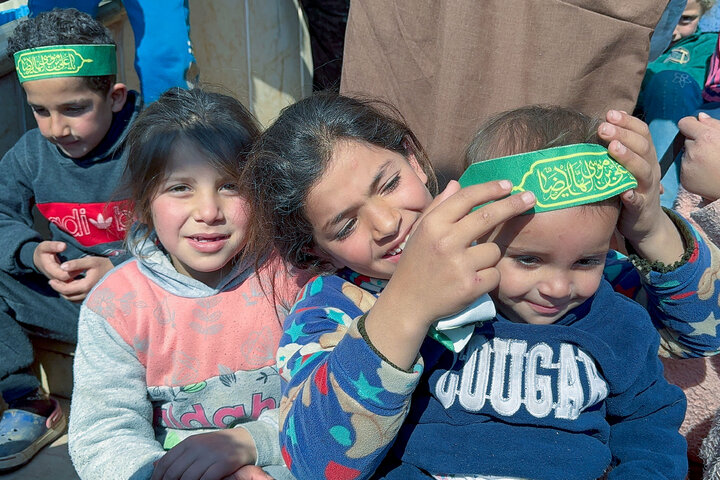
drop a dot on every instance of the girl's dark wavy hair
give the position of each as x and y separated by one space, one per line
216 124
292 155
63 26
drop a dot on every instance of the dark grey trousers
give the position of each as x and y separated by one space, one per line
29 306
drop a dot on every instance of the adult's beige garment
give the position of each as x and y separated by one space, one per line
449 64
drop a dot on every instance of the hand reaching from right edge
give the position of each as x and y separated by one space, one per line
700 168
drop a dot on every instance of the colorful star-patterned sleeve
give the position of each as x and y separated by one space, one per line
684 303
342 405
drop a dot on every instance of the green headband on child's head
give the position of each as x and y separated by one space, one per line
560 177
88 60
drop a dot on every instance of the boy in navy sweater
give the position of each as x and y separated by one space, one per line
68 168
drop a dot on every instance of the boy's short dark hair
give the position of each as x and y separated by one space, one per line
63 26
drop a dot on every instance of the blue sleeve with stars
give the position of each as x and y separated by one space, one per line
342 404
684 304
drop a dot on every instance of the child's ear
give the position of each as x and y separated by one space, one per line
412 159
318 252
314 251
118 96
417 168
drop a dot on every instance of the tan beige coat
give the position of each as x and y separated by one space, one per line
449 64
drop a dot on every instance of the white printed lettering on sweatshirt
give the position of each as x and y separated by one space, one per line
508 375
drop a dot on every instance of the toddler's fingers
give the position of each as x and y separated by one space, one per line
634 135
625 121
636 164
161 466
74 298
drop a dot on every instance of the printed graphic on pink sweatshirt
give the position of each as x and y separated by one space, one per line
90 223
195 415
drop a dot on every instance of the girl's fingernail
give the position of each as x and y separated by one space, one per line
703 115
607 129
620 148
505 184
614 115
527 197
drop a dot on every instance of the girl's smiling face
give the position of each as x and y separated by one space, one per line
199 216
364 207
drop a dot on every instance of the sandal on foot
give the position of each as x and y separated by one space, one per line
23 434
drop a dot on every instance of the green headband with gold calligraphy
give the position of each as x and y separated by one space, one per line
560 177
88 60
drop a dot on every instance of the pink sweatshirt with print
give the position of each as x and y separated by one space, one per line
161 357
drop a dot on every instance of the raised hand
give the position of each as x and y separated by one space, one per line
442 269
642 221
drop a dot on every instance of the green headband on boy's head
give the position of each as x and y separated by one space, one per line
560 177
87 60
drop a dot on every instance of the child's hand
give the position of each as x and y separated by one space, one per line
441 271
210 456
46 260
249 472
700 169
629 143
450 189
84 273
441 255
642 221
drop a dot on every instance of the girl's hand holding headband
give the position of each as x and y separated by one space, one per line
642 221
442 269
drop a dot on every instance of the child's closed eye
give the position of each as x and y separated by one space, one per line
392 184
346 229
40 111
75 110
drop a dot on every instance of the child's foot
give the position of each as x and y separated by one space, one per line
26 426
